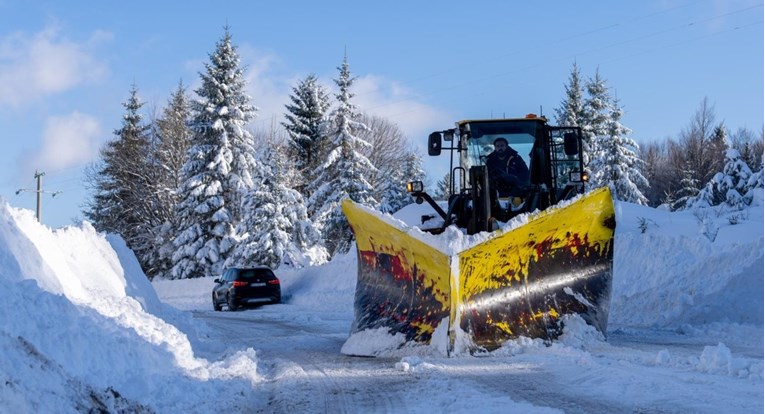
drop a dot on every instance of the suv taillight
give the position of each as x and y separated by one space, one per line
273 282
237 283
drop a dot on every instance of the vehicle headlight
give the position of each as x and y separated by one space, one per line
414 187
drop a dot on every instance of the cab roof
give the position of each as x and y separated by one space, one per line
529 117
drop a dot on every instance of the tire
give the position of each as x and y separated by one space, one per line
232 306
216 306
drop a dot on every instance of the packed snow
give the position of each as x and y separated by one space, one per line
82 329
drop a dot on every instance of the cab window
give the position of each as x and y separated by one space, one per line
520 136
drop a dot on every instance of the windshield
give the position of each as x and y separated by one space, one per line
520 135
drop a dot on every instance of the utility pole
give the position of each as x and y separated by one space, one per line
39 191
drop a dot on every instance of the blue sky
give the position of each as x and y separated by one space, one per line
66 67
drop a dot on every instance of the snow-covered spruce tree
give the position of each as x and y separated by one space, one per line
571 110
276 229
344 172
393 194
121 179
172 139
305 115
218 169
729 186
617 164
595 123
689 189
749 144
755 183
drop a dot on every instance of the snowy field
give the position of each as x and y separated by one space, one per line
82 329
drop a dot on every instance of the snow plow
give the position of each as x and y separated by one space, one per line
490 267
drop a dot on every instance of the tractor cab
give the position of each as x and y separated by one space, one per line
477 137
552 154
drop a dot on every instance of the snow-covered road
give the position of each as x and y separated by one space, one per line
301 364
639 371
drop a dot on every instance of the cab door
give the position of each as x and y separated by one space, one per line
568 175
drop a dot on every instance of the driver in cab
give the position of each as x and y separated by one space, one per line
508 173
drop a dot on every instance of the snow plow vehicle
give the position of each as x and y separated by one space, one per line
486 268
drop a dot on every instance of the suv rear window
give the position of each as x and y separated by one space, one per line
255 273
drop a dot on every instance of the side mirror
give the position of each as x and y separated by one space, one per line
217 281
570 143
434 144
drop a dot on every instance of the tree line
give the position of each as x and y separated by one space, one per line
193 189
705 166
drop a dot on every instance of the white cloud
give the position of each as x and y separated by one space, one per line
45 63
266 85
68 141
401 105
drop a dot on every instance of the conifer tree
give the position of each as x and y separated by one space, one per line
755 182
218 169
174 138
596 116
122 179
750 145
344 172
305 116
172 141
730 186
689 189
394 195
571 110
277 229
617 164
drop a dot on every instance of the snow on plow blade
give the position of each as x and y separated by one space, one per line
515 283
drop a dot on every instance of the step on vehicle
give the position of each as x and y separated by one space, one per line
246 286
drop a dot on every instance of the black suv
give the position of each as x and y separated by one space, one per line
245 287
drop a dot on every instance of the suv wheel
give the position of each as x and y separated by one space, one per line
231 303
216 306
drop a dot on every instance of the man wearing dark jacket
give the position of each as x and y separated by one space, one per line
508 173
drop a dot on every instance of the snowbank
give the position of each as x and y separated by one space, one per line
77 307
669 271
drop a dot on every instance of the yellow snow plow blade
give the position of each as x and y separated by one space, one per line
403 283
517 283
